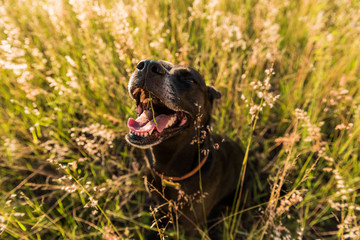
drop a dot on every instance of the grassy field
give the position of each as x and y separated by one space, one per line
289 73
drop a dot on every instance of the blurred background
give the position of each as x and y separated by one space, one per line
289 74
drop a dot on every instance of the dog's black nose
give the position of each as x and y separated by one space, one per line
151 67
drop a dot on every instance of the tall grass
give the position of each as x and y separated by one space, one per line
289 74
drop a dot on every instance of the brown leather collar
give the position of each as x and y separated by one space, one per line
195 170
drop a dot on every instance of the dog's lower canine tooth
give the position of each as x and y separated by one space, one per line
136 91
142 96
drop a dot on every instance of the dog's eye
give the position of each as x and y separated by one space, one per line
190 81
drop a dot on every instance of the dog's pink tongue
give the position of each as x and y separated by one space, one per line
142 124
162 120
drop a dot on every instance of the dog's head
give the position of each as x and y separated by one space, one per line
170 99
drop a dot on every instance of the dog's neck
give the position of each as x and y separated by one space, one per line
180 155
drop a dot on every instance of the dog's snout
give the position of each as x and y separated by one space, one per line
156 68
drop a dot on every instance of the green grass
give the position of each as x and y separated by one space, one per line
65 169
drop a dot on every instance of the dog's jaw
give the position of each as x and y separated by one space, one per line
145 146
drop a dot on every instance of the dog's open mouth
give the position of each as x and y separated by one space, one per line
154 119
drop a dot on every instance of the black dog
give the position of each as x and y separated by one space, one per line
174 111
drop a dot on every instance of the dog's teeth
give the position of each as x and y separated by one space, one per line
171 121
136 91
142 96
145 134
151 131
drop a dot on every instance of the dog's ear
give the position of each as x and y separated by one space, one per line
213 94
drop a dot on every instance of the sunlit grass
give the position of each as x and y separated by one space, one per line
65 169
